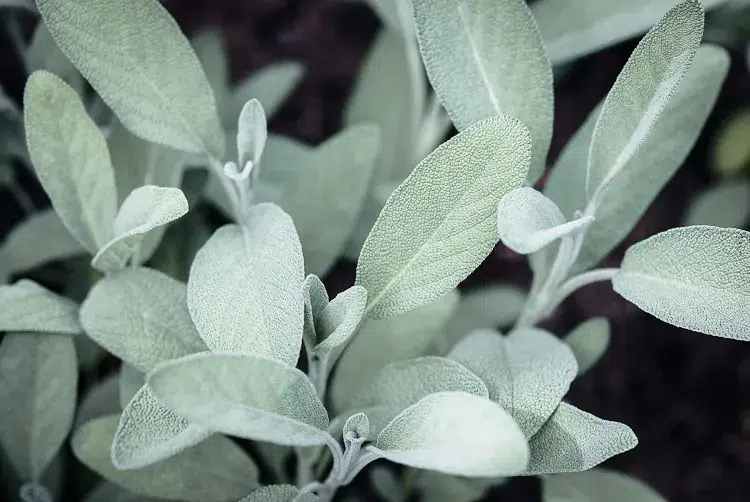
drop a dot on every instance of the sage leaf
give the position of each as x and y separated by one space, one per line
145 209
244 291
149 432
339 170
595 485
316 300
356 429
101 399
438 487
252 133
44 54
130 382
270 85
110 492
396 15
70 158
382 341
406 261
573 440
37 240
641 93
589 341
724 205
38 397
485 58
692 277
140 315
27 306
279 493
249 396
653 164
159 95
527 221
216 469
211 51
575 28
455 433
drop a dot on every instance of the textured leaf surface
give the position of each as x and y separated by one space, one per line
39 376
130 382
140 315
455 433
244 292
216 469
279 493
270 85
44 54
573 440
382 341
589 342
160 95
642 91
70 158
724 205
485 58
252 133
27 306
440 223
145 209
247 396
596 485
692 277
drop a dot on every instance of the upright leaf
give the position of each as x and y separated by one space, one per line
140 63
252 133
589 341
71 159
271 86
692 277
485 58
244 292
211 51
595 485
408 261
39 378
27 306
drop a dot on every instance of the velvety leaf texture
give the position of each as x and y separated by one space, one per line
440 223
279 493
27 306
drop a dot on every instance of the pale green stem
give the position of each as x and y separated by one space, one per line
575 283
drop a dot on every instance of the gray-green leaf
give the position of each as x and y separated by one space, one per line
71 159
244 292
37 398
724 205
271 86
160 95
596 485
692 277
279 493
252 133
589 341
485 58
210 49
216 470
440 223
27 306
254 397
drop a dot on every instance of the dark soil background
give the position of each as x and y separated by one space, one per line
686 395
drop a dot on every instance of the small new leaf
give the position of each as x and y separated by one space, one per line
252 133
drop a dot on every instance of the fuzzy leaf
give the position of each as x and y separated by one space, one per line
692 277
527 221
44 54
243 395
279 493
216 470
37 398
455 433
244 292
210 48
130 381
573 440
140 315
485 58
408 261
270 85
589 342
356 429
595 485
27 306
629 193
70 158
145 209
252 133
641 93
724 205
160 95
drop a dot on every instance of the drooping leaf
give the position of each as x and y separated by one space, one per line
140 315
692 277
216 469
160 95
382 341
145 209
249 396
244 292
573 440
724 205
408 261
595 485
589 341
27 306
271 86
629 193
641 93
39 378
527 221
485 58
279 493
70 158
455 433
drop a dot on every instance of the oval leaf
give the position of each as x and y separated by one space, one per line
252 133
589 342
724 205
595 485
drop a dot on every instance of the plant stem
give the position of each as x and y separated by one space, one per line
579 281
